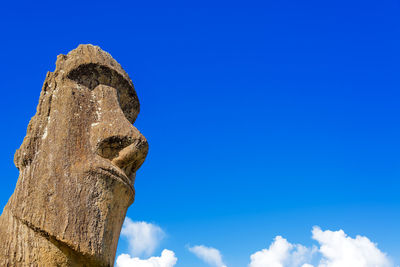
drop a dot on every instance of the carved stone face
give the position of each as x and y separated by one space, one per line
78 161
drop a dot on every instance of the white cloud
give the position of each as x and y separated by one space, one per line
210 255
167 259
143 238
281 254
336 249
340 250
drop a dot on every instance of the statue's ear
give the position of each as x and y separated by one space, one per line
36 127
24 155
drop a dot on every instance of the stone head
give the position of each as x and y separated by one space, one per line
78 160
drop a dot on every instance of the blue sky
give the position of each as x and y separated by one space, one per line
263 118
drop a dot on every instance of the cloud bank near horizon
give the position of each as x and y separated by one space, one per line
334 249
167 259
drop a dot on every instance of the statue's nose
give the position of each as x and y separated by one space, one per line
130 158
127 152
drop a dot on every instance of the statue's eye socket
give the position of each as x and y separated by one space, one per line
109 147
91 75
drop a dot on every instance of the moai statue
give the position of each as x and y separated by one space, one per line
76 165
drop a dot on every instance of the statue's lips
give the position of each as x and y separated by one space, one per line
116 174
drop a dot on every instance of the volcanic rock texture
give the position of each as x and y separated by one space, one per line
77 166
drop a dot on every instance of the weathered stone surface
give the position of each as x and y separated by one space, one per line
77 166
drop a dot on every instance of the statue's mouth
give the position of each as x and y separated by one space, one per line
117 174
